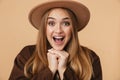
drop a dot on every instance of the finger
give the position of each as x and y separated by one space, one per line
50 51
64 53
60 53
54 52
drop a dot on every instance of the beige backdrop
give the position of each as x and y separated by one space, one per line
102 34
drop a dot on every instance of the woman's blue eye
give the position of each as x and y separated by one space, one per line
51 23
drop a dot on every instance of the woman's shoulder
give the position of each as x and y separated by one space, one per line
96 64
23 56
93 55
27 51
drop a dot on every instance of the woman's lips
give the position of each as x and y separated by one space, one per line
58 39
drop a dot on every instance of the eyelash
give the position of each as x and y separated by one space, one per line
64 23
51 23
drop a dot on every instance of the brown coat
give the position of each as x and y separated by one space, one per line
18 69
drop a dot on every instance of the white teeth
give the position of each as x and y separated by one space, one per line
58 37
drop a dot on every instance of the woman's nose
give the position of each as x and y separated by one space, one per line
58 29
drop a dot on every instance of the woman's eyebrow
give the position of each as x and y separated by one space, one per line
50 18
66 18
62 19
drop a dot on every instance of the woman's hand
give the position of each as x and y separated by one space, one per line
52 61
62 57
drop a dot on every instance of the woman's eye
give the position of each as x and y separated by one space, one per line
51 23
66 23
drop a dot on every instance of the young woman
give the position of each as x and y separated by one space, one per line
57 54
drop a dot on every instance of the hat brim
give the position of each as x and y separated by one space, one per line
82 13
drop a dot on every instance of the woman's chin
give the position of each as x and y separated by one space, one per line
58 48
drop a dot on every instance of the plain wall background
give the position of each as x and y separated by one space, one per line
102 34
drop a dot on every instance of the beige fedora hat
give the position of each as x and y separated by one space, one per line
81 11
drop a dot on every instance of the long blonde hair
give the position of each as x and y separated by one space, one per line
79 59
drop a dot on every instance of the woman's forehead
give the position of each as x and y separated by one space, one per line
59 13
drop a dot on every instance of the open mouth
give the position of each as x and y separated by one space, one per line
59 39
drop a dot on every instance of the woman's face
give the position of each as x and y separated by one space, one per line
59 28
